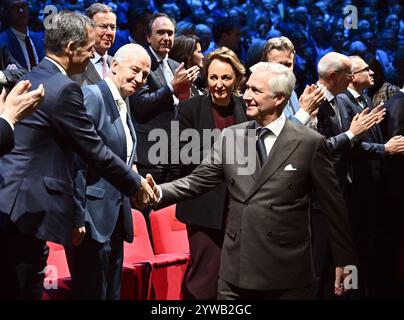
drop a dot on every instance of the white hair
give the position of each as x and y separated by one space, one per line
332 61
283 80
128 50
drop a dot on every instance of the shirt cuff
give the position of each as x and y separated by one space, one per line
350 135
8 121
303 116
3 79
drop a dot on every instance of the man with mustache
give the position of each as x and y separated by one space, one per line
105 28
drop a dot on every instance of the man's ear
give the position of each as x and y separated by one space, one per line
114 66
70 48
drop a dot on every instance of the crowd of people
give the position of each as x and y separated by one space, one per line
320 95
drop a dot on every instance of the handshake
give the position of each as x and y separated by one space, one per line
148 194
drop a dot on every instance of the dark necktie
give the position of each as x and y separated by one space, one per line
261 149
362 102
30 50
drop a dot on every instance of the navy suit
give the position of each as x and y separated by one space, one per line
36 190
11 75
6 137
96 264
9 39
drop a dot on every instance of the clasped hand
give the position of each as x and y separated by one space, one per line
147 194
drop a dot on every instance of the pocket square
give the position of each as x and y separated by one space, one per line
289 167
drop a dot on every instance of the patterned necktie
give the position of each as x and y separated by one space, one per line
30 50
123 113
334 105
260 145
104 64
362 102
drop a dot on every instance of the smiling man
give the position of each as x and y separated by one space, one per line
97 69
96 264
266 251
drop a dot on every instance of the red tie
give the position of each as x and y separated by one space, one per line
30 50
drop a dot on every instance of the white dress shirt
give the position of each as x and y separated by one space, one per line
123 113
275 128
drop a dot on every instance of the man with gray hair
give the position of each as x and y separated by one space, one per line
301 110
266 250
96 264
98 67
37 202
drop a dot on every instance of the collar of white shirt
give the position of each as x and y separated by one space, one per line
354 93
114 90
97 57
57 65
157 56
276 126
19 34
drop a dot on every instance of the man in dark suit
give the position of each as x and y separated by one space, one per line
391 222
18 104
266 250
25 46
98 67
156 105
36 193
96 264
10 69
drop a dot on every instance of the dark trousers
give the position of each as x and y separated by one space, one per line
22 266
228 291
96 267
205 245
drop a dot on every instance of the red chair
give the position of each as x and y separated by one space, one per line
169 234
57 275
163 273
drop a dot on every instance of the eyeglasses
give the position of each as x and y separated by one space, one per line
104 27
367 69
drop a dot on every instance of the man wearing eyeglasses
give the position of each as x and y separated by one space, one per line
99 67
367 172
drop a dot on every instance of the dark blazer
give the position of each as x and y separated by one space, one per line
367 165
206 210
394 173
152 107
103 200
267 241
6 137
11 75
36 188
90 74
8 39
337 141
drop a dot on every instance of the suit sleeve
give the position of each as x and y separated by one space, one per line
6 137
12 76
333 205
70 120
204 178
145 105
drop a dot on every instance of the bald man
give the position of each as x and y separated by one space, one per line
96 263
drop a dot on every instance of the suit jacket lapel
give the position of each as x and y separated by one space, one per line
283 147
132 132
16 49
112 110
157 74
240 115
91 74
242 140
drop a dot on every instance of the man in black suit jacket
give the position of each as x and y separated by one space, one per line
96 264
266 250
37 194
156 105
391 221
10 69
367 173
98 67
18 104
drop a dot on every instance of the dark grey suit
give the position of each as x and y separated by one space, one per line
267 242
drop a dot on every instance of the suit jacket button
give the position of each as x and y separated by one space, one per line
290 186
269 234
245 203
